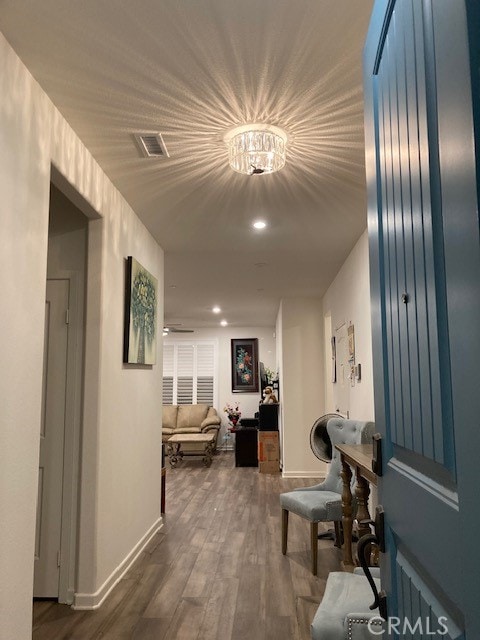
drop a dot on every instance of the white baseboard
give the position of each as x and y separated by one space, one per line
89 601
303 474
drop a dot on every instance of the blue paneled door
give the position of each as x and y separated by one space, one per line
421 92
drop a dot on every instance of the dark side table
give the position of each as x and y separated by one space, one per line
246 447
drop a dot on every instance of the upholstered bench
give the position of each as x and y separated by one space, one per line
344 613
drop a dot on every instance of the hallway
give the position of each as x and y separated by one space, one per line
215 570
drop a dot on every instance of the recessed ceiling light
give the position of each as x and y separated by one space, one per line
216 309
259 224
224 323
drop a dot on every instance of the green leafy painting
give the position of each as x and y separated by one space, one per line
140 338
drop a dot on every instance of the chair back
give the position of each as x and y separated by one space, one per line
342 431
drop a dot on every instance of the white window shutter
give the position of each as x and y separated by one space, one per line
189 373
168 360
185 372
205 373
168 373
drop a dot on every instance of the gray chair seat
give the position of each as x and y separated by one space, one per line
344 612
313 505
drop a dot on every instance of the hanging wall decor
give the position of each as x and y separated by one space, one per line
334 359
140 324
245 365
351 353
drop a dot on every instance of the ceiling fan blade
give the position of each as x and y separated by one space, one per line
174 330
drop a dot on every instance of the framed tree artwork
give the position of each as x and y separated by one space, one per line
140 324
244 365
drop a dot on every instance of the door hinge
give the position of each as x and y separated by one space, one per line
67 316
380 527
377 454
59 559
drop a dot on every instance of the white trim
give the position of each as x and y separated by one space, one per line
302 474
73 425
90 601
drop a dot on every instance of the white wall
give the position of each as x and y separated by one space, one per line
266 353
121 430
347 300
301 382
304 356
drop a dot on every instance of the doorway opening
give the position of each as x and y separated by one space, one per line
62 399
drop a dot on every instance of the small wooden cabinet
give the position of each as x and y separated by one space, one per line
246 454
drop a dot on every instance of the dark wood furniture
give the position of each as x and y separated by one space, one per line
268 417
359 458
246 446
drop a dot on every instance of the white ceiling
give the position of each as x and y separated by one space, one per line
192 69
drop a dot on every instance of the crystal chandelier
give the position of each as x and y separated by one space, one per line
256 148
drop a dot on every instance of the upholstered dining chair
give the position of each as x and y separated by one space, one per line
323 502
347 611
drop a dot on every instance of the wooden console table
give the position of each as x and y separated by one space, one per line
359 458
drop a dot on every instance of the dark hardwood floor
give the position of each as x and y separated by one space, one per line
215 570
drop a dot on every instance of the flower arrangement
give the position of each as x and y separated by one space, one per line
244 366
233 413
271 375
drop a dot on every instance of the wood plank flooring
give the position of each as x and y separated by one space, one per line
214 572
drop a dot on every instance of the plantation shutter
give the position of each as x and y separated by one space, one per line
168 373
189 373
205 373
185 371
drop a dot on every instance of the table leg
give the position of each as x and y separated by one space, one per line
174 453
362 492
209 447
347 513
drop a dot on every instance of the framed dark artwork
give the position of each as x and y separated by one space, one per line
140 324
244 365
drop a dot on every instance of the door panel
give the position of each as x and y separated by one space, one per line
425 258
52 433
412 263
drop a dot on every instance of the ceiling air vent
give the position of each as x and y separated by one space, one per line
151 145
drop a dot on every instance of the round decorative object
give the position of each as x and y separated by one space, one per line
320 442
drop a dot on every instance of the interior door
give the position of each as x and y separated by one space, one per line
425 283
52 434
